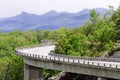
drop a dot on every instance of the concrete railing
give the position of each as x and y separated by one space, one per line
90 62
85 58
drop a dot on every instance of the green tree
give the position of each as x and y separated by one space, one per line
116 18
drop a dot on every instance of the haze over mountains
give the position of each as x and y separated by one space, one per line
48 21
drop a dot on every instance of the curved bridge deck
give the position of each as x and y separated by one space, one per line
39 56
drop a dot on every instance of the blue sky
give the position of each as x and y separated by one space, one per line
10 8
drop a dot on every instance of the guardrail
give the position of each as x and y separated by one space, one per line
85 58
83 61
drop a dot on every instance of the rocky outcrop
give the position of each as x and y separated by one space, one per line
64 76
116 52
71 76
57 77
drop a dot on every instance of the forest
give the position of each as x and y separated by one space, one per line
98 35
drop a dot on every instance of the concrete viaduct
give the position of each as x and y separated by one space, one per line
38 57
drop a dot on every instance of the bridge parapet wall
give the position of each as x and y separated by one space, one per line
85 58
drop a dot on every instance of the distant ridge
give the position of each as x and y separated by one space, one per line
49 21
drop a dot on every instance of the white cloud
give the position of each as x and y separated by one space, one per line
14 7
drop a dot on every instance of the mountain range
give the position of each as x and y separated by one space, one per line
49 21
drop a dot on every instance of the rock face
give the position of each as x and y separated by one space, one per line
57 77
116 54
71 76
64 76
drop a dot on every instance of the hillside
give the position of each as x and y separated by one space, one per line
48 21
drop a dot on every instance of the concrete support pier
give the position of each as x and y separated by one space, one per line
100 78
32 73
